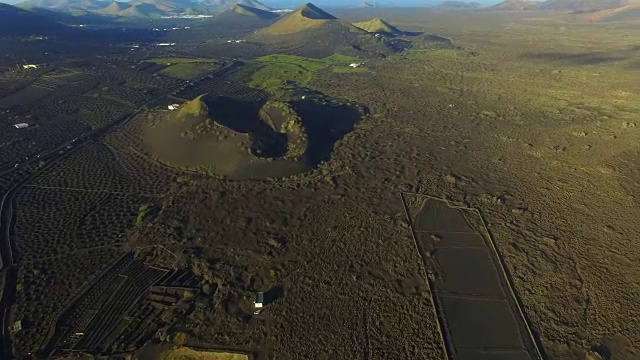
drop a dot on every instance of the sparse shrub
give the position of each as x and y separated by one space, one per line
142 214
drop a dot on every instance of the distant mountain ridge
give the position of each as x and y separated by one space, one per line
628 12
517 5
583 5
453 5
142 8
577 6
251 11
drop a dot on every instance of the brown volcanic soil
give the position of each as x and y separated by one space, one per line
547 156
536 126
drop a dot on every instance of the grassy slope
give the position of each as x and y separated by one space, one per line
305 17
193 108
377 25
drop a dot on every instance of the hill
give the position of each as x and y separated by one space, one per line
19 22
64 5
516 5
233 138
223 5
627 13
237 22
168 6
378 26
147 8
251 11
306 17
583 5
457 5
114 8
193 108
312 32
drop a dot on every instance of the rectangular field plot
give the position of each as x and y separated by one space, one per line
467 354
481 324
478 312
468 272
449 239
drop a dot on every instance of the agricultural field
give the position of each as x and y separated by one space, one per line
271 71
46 286
184 68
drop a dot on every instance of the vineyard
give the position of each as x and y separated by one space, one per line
123 309
55 221
45 287
217 86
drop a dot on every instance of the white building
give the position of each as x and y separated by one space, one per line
173 106
355 65
258 304
21 126
30 66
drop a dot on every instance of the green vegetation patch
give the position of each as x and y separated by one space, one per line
188 71
289 123
62 73
193 108
350 70
273 71
179 60
143 211
188 353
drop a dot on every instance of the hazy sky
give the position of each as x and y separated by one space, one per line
294 3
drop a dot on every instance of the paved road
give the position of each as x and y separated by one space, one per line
49 158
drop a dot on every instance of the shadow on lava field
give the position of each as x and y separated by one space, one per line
24 97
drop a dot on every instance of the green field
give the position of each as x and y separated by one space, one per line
179 60
61 73
188 71
271 71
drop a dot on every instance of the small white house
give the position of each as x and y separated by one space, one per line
21 126
258 304
173 106
30 66
355 65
